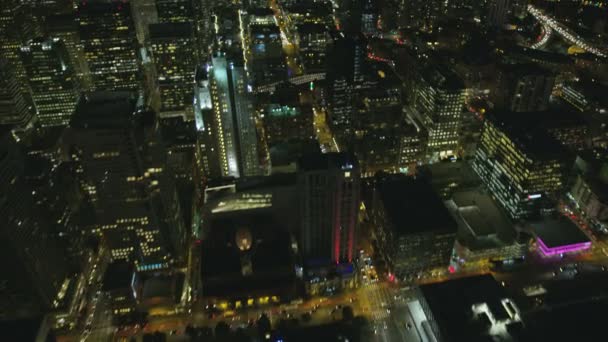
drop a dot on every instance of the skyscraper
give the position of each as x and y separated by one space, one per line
174 55
110 45
36 268
235 132
17 26
439 105
51 79
14 106
522 166
524 87
122 167
329 185
175 11
345 69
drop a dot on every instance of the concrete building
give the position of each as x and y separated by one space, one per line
110 44
522 166
330 186
52 80
414 229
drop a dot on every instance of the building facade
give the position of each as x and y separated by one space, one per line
439 101
174 54
123 170
51 79
233 122
521 167
329 185
108 35
38 271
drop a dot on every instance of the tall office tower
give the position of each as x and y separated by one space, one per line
329 186
439 102
236 142
174 55
263 47
314 40
110 45
65 27
35 267
122 168
522 166
51 79
524 87
17 26
497 12
345 69
369 17
207 159
15 108
197 13
423 14
175 11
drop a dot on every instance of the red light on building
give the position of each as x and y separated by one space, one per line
451 269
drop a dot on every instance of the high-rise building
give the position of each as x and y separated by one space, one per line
65 27
329 185
369 17
313 40
175 11
414 229
51 79
122 167
263 47
498 12
206 151
37 278
522 166
174 55
345 70
236 142
422 13
17 26
195 12
110 44
439 105
524 87
15 108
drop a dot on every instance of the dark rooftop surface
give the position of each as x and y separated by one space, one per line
169 286
269 255
104 108
451 302
530 136
118 276
326 161
440 76
23 330
260 11
559 232
577 321
311 28
170 30
413 207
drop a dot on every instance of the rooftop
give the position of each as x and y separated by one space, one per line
311 28
559 232
412 206
327 161
104 108
530 136
26 329
118 276
469 309
170 30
